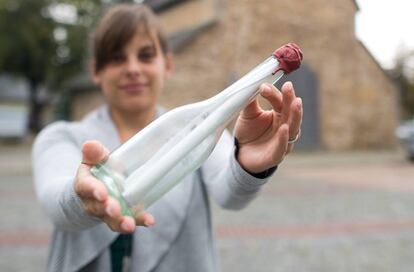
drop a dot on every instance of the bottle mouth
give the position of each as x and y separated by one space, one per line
289 57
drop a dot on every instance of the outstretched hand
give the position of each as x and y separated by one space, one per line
94 194
266 136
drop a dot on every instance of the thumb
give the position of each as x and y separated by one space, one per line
253 109
94 152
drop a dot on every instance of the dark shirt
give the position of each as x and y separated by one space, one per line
121 250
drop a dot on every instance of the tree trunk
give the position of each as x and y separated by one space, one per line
35 108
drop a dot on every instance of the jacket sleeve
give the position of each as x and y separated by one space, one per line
226 181
56 156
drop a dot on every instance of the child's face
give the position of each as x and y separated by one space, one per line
134 79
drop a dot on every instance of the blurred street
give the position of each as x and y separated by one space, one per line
322 212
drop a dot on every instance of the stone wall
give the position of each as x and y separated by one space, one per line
358 101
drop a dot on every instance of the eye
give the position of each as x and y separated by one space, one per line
147 54
117 58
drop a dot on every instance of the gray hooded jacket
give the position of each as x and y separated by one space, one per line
181 239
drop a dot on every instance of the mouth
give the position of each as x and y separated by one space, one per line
133 88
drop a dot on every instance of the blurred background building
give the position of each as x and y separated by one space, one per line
13 106
350 102
323 211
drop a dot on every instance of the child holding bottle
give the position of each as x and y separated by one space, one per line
131 64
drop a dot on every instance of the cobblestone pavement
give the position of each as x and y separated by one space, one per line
321 212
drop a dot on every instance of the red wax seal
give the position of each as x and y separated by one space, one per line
289 57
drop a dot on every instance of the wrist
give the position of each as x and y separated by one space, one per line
257 174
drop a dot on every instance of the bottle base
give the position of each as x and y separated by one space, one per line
114 191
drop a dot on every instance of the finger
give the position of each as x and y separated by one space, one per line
112 208
288 94
94 152
145 219
273 95
289 148
112 215
127 224
115 220
280 144
253 109
94 208
124 224
295 119
87 186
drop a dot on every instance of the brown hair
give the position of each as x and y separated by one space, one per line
118 26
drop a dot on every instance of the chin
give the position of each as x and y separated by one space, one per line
138 107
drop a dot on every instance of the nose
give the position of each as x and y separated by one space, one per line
133 67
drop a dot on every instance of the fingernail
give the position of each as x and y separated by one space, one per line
299 102
97 195
110 211
125 226
148 223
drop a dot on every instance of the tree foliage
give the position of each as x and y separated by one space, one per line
38 43
26 39
46 42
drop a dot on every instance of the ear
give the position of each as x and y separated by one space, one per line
93 73
169 64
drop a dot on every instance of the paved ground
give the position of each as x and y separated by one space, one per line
322 212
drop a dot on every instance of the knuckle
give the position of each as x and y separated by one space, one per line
98 209
78 187
92 208
112 225
89 210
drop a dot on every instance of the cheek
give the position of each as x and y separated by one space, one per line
159 76
158 70
110 80
108 89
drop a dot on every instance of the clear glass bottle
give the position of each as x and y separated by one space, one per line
155 159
